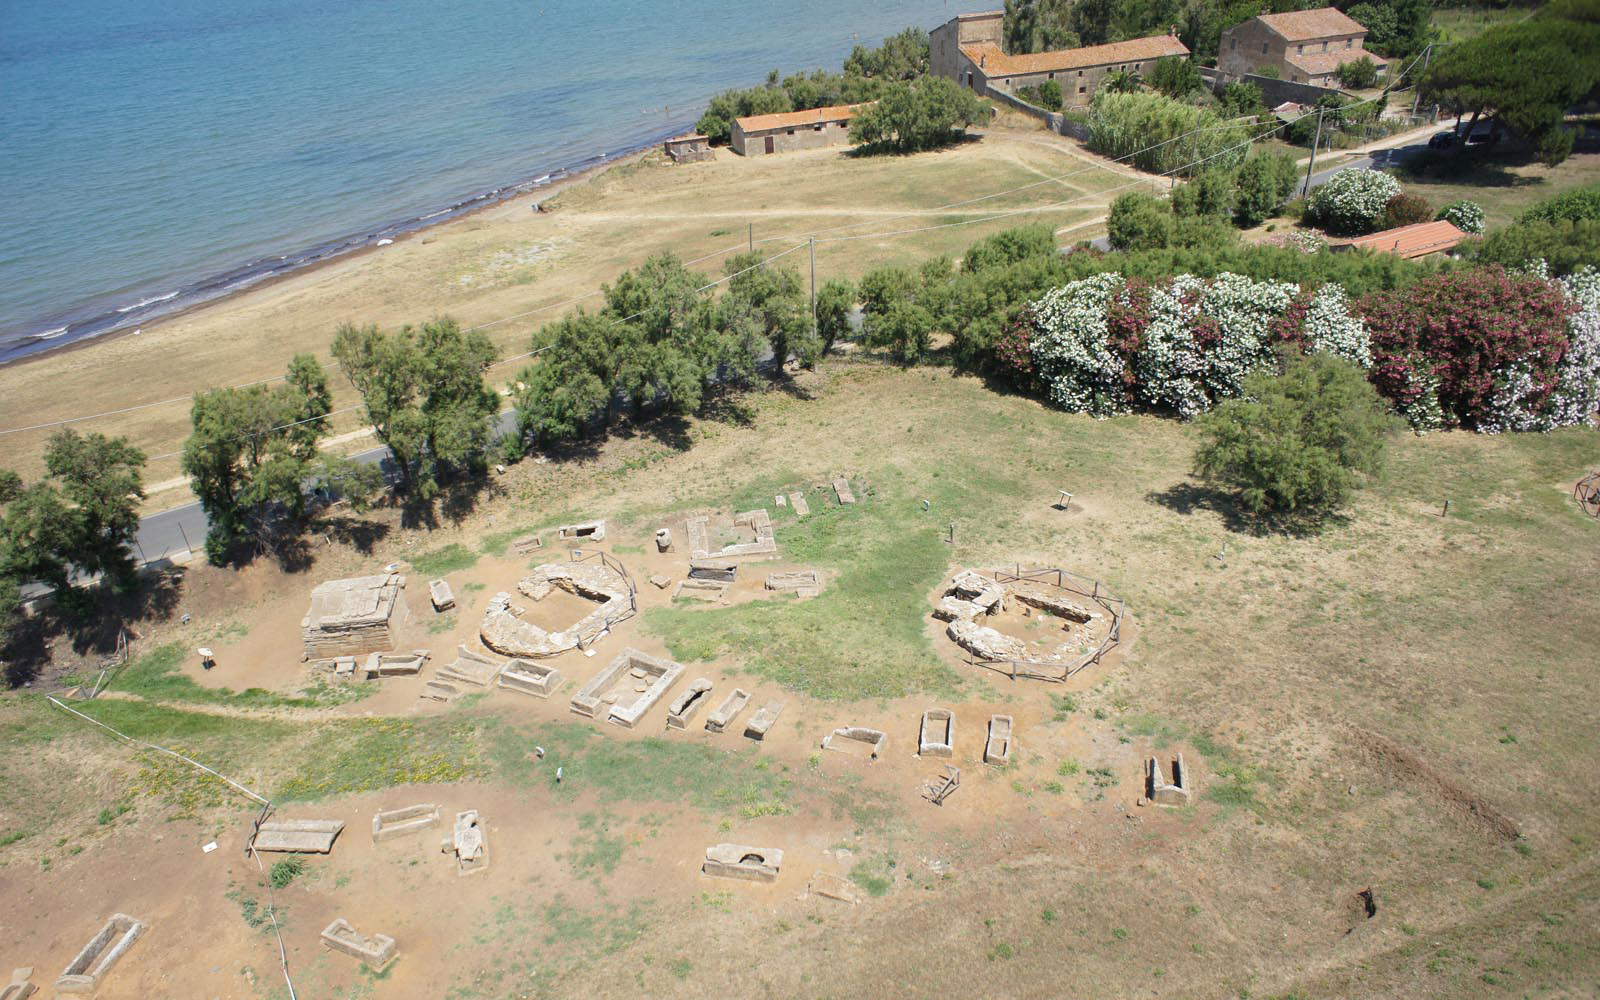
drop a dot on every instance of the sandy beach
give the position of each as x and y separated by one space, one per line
508 268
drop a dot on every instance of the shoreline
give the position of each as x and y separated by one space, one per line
339 250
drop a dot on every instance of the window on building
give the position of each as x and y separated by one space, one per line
1300 50
1233 43
1263 48
1050 76
791 132
1080 73
1082 90
1349 43
816 128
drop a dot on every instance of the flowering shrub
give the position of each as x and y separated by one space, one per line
1466 216
1013 353
1405 210
1353 200
1577 394
1305 241
1487 345
1104 344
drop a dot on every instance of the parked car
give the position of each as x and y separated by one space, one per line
1483 137
1443 140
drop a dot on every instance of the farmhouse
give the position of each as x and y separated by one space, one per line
758 135
1302 46
967 49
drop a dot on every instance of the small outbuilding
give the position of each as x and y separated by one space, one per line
1417 240
760 135
687 149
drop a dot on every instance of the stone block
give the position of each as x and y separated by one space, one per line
938 734
985 642
376 951
440 594
298 836
660 582
470 667
437 690
354 616
526 544
683 708
97 958
795 580
873 739
717 570
797 500
951 609
586 531
758 522
729 710
528 677
21 986
997 748
612 693
395 664
754 864
763 720
709 591
841 488
344 666
469 842
387 825
832 886
1161 792
663 539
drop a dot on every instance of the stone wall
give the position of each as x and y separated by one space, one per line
1273 91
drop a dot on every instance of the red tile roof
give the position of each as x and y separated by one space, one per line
1410 241
795 119
1321 63
1303 25
995 63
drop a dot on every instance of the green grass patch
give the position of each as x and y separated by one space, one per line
286 871
864 636
157 676
363 755
875 876
450 559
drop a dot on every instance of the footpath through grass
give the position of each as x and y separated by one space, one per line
864 636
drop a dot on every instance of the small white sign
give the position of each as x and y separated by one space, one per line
209 847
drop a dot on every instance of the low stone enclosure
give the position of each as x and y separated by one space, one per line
627 688
764 719
1162 792
595 577
469 842
394 823
84 973
721 537
395 664
873 739
528 677
354 616
754 864
997 749
297 836
938 735
585 531
376 951
682 710
729 710
972 602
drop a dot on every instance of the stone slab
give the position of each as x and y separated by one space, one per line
21 986
529 677
708 591
470 667
829 885
797 500
583 531
754 864
794 580
298 836
716 570
469 842
937 737
997 748
441 595
395 664
874 739
841 488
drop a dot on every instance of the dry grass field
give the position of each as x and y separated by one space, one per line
1404 703
513 262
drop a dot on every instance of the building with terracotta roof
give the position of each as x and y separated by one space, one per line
967 49
760 135
1301 46
1417 240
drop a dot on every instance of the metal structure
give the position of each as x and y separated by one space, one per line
1072 583
1587 493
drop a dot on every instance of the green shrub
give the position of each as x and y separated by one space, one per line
1406 210
1264 182
1163 135
1564 246
1139 221
1296 444
925 113
1210 192
1573 206
1358 75
286 871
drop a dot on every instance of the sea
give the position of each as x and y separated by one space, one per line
157 155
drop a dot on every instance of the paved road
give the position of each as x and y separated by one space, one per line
1377 159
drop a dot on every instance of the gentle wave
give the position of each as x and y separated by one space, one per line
149 302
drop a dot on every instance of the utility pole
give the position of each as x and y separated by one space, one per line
1313 164
813 286
1416 88
752 237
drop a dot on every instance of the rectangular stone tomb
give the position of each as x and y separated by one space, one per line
469 842
938 736
1054 604
470 667
437 690
587 531
729 710
841 487
21 986
527 543
997 749
530 677
396 664
763 720
746 534
663 539
298 836
719 570
398 822
627 687
803 579
755 864
376 951
355 616
684 707
439 592
844 737
797 500
709 591
832 886
344 666
1158 790
84 973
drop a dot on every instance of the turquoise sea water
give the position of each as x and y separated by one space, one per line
153 154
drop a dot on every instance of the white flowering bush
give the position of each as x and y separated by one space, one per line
1103 345
1466 216
1577 392
1352 201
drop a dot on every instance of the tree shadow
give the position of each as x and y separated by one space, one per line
358 533
669 429
1189 497
91 622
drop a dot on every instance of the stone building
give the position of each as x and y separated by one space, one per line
758 135
967 49
1302 46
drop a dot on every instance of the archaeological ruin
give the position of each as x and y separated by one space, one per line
376 951
97 958
469 842
1008 621
627 688
683 708
353 617
845 738
753 864
721 537
729 710
386 825
298 836
575 603
1162 792
938 734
